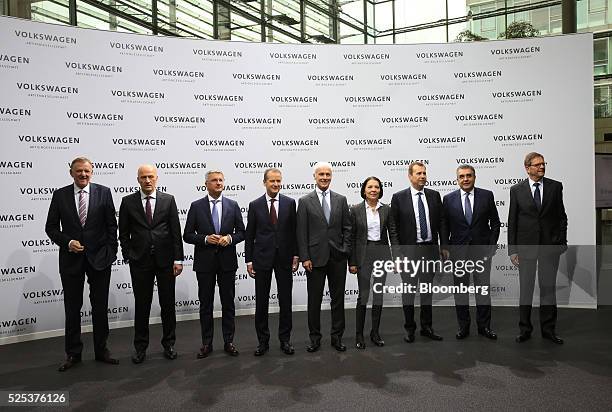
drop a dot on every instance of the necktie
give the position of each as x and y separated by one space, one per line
82 207
537 197
273 217
422 217
325 205
215 217
468 209
148 210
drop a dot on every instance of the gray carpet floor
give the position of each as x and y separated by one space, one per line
474 374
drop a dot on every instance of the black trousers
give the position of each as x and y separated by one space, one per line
546 266
374 251
73 283
335 271
143 275
424 253
284 287
226 280
462 300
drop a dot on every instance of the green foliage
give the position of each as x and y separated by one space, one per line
467 35
519 30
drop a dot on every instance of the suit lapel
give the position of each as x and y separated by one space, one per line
208 212
527 192
314 198
70 200
545 199
158 207
333 198
224 213
263 205
92 202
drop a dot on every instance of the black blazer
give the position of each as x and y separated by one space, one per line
528 227
403 229
263 238
98 236
359 232
137 236
484 229
315 237
199 225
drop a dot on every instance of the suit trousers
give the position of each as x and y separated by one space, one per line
73 283
546 266
374 251
335 271
226 280
424 253
462 300
143 275
284 286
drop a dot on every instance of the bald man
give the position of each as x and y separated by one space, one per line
150 237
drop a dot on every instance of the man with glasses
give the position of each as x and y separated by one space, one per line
537 236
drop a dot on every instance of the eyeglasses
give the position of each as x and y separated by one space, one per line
539 164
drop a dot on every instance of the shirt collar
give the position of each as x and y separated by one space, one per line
78 189
320 192
531 182
144 196
275 198
220 198
378 205
463 192
413 191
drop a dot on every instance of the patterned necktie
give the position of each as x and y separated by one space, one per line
148 211
273 216
82 207
422 217
468 209
325 205
215 216
537 196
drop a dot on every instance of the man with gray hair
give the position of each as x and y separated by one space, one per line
324 244
82 222
214 225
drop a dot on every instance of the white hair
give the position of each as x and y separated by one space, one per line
320 165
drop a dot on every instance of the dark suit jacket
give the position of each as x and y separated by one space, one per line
483 232
263 238
98 236
199 225
315 237
403 231
528 227
137 236
359 231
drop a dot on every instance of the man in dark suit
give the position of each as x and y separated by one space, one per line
417 220
537 236
150 236
270 244
324 244
81 221
472 224
214 225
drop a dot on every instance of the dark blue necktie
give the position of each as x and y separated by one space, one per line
537 196
468 209
215 217
422 217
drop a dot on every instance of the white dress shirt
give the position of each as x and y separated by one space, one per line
463 195
373 221
415 205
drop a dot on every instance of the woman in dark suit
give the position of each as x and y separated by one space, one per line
370 240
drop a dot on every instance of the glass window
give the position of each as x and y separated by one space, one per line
600 56
597 12
602 101
51 11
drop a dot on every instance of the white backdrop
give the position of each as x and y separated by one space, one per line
192 105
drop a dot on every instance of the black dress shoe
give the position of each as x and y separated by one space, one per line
170 353
313 347
204 351
338 345
429 333
553 338
139 357
287 348
360 342
261 350
70 361
409 337
376 339
230 349
107 358
487 333
523 337
462 334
